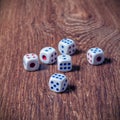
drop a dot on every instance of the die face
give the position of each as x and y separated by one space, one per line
95 51
95 56
48 55
90 57
30 62
64 63
64 58
58 82
65 66
63 47
67 46
64 85
53 57
71 49
99 59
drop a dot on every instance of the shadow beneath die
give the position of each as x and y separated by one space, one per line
77 52
75 68
107 61
54 63
70 88
42 67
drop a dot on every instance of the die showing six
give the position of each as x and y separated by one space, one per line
64 63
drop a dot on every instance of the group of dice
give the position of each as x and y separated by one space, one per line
48 55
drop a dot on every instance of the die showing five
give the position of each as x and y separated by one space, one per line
58 82
67 46
64 63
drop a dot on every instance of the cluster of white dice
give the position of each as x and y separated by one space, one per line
48 55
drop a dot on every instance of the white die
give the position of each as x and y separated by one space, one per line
64 63
48 55
30 62
67 46
95 56
58 82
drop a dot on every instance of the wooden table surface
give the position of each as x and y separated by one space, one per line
28 26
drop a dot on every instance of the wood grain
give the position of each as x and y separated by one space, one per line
29 25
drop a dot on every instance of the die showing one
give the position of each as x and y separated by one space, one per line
64 63
58 82
67 46
48 55
95 56
30 62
